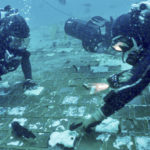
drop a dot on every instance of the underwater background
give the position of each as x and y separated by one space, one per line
61 66
45 12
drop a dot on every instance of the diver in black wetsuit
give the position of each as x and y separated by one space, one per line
130 35
14 38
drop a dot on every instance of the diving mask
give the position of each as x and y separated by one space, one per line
131 52
122 43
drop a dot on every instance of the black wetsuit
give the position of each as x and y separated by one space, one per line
130 25
11 58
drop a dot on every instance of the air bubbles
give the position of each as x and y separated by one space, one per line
26 10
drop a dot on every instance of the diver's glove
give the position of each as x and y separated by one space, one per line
120 79
114 81
87 123
29 84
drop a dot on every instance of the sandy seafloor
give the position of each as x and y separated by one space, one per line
61 66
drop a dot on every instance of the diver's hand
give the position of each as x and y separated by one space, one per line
87 123
114 81
29 84
78 126
84 125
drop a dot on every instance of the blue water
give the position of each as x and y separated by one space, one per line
43 12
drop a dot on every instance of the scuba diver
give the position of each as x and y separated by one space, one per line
130 35
14 39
